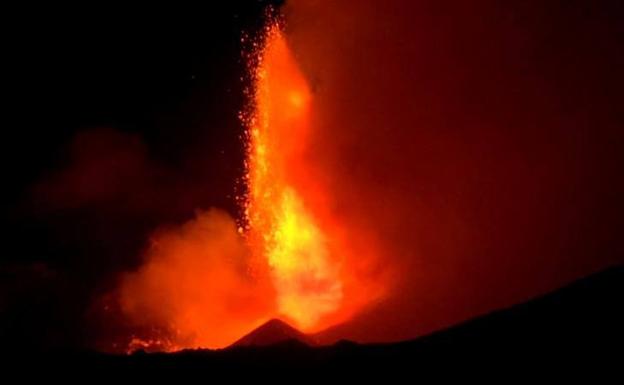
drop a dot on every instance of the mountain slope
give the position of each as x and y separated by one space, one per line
576 329
272 332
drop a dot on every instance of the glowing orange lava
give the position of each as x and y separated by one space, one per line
207 283
282 227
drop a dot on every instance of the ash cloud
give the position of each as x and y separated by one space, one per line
197 285
103 208
477 141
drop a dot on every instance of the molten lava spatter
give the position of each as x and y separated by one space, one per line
282 228
208 282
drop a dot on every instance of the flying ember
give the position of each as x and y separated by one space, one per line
204 284
281 226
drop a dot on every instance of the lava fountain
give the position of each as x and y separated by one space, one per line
205 284
281 225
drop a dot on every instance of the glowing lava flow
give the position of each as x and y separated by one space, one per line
281 227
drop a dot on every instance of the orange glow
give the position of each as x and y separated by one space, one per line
282 228
197 288
299 240
208 282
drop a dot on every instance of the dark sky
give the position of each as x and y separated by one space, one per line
116 120
480 141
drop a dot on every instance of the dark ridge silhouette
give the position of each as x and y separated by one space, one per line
578 328
272 332
581 318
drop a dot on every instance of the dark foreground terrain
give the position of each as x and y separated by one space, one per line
577 328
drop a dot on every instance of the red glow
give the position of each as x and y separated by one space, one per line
288 221
208 282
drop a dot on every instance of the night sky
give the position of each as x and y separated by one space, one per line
481 143
118 120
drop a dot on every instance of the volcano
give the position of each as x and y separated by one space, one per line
273 332
575 328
